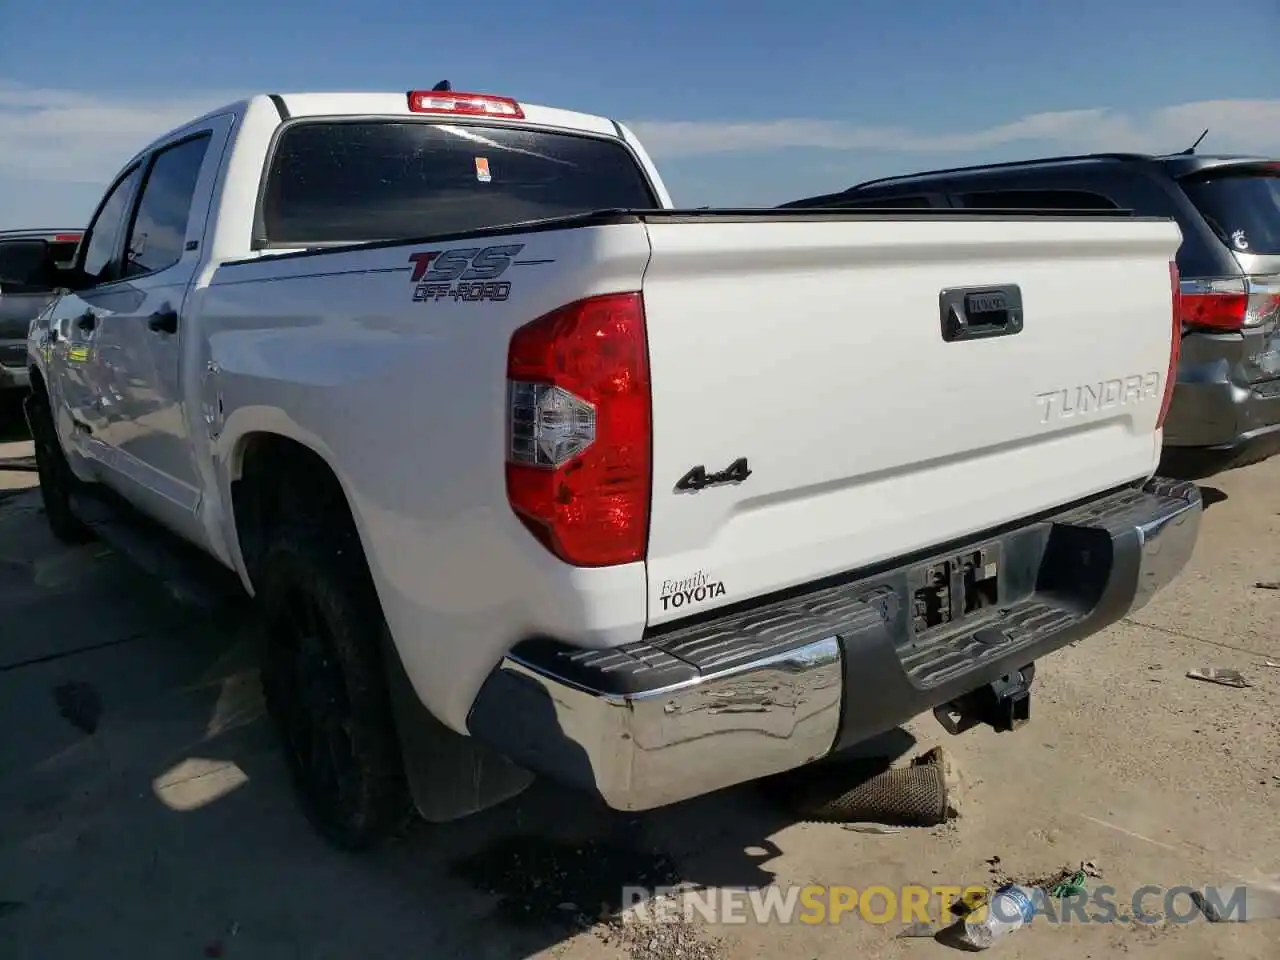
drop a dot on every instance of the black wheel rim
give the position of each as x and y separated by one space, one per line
316 708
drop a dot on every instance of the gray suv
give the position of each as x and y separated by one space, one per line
1226 402
28 261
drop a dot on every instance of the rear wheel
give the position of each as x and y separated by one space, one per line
57 482
325 687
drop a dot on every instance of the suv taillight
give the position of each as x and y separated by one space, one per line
1175 343
1228 306
578 430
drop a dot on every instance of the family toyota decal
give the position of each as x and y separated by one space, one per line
469 274
690 590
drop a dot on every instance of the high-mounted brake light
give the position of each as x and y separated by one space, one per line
464 104
578 434
1175 343
66 238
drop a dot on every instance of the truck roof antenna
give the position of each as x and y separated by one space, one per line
444 86
1192 149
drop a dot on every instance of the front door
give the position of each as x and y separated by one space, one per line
138 356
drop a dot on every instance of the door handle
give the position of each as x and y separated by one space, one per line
164 321
86 321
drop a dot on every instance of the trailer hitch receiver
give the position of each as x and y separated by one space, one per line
1004 704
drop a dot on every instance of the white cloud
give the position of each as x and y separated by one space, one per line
73 136
1234 125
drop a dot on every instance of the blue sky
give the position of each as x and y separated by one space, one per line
750 103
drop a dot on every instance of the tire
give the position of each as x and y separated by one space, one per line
57 482
326 691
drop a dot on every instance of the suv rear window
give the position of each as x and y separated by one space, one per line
881 203
352 182
1242 207
1037 200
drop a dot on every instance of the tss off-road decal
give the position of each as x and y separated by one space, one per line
467 275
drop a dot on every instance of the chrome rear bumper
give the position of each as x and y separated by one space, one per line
784 683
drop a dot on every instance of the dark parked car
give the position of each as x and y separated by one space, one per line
26 286
1226 403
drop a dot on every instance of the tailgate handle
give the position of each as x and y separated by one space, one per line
975 313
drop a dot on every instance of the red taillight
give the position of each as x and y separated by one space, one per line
1175 342
578 455
1230 305
66 238
464 104
1215 311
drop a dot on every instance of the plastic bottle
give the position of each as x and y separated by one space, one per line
1011 907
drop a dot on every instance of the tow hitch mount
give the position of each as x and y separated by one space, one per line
1004 704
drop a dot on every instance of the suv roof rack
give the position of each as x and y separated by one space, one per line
1006 165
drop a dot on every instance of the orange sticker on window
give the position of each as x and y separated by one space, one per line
482 170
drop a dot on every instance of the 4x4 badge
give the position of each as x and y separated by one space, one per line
698 478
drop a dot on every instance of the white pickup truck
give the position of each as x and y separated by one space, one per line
530 473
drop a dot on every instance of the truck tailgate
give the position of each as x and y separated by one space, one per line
824 354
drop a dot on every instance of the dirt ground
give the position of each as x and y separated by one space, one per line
170 831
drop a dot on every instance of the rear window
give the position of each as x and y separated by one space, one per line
352 182
1243 208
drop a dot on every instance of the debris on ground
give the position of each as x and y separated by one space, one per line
1268 584
539 879
1012 907
918 930
667 939
1260 902
1220 675
952 776
876 829
1270 663
1069 886
1067 879
868 791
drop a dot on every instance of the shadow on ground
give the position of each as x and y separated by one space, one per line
1211 496
145 811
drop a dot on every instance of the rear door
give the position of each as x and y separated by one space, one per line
1242 206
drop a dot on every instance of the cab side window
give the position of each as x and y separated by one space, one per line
101 257
158 234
